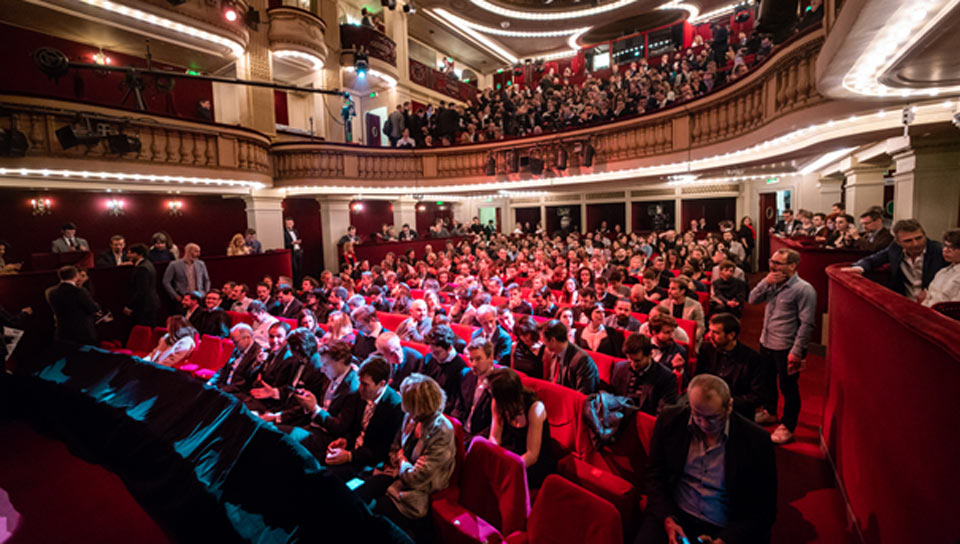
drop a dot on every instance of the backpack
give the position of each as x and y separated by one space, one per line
387 127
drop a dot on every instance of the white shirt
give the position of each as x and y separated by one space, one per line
293 236
913 273
945 286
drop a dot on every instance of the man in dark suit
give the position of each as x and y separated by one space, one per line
651 386
403 360
787 224
725 356
491 330
289 305
380 416
336 414
143 302
240 372
875 236
368 328
292 241
710 473
211 319
573 368
277 367
74 311
307 375
914 260
115 256
443 364
473 402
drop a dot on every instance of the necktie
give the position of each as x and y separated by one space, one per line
70 243
477 393
367 416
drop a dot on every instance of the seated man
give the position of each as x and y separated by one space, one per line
443 364
290 306
681 305
336 415
572 366
277 367
403 360
875 236
586 302
491 330
604 293
240 372
262 321
711 475
666 350
621 319
472 404
415 327
368 328
543 305
649 385
945 286
307 375
516 302
212 319
679 335
725 356
914 260
380 417
728 293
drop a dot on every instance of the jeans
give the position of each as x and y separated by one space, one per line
776 368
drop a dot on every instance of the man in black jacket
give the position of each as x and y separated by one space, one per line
292 241
74 311
443 364
473 402
725 356
239 373
307 375
380 416
143 303
211 319
711 474
650 385
573 368
368 328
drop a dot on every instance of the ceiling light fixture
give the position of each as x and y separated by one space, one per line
120 176
551 15
389 80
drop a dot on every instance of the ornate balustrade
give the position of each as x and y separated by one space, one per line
378 45
435 80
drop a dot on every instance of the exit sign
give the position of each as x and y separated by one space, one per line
771 181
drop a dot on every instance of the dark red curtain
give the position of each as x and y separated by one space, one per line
280 107
713 209
369 216
613 214
429 212
527 215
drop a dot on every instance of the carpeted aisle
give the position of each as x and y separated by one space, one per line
810 507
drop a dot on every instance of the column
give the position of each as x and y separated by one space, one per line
396 26
830 193
583 215
334 220
864 188
926 187
256 65
405 212
332 78
628 214
265 214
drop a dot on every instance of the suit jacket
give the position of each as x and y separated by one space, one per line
306 375
341 419
893 255
782 227
364 345
431 462
245 367
692 311
632 324
288 241
502 345
175 278
750 474
381 430
107 260
143 299
214 322
741 369
577 370
59 245
412 362
289 312
448 375
528 361
482 416
881 240
655 389
74 312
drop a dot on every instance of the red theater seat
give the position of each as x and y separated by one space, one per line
240 317
949 309
452 491
566 513
604 364
494 500
226 350
391 321
463 331
205 358
138 343
423 349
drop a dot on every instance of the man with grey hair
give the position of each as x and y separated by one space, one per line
239 374
494 333
415 327
711 474
788 322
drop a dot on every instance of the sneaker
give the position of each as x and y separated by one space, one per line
781 435
763 417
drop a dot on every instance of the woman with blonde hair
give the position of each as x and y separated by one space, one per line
237 246
175 346
340 329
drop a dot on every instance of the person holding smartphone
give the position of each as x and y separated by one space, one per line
788 322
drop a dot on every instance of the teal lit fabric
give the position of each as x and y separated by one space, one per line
196 459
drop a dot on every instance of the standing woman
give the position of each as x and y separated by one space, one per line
520 424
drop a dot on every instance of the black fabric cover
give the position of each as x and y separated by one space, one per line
196 459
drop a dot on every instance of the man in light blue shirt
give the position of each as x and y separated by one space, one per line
788 322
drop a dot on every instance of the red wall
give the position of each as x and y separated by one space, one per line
207 220
427 214
95 87
369 219
305 213
713 209
613 214
524 215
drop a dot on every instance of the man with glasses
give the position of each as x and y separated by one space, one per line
945 286
875 236
788 322
914 260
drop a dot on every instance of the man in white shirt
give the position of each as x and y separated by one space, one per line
69 241
945 286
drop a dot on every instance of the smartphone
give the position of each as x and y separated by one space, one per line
683 540
357 482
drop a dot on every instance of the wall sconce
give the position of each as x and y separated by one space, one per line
115 206
356 207
41 206
422 208
175 207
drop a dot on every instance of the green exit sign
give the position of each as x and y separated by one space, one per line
771 181
439 203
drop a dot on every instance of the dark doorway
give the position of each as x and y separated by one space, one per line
766 221
613 214
531 215
563 219
652 215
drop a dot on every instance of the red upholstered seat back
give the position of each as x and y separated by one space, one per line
156 334
391 321
463 331
226 350
493 485
207 354
704 299
689 327
498 301
240 317
565 512
604 364
949 309
627 457
564 412
423 349
139 339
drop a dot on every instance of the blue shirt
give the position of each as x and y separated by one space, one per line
790 316
701 491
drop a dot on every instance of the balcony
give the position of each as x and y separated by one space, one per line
379 46
297 38
435 80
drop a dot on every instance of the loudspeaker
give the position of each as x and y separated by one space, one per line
586 156
13 143
536 166
123 144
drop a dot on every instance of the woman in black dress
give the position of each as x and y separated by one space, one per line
520 424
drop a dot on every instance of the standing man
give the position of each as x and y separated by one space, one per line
68 241
292 241
788 321
73 310
143 303
396 125
875 236
914 260
115 256
187 274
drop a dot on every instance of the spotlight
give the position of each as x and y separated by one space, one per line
956 119
69 137
13 143
536 165
252 19
389 4
122 144
361 63
409 8
230 12
491 165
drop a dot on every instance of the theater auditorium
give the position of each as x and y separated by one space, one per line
479 271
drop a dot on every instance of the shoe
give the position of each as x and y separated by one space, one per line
763 417
781 435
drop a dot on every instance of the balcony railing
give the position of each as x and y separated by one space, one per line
423 75
378 45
